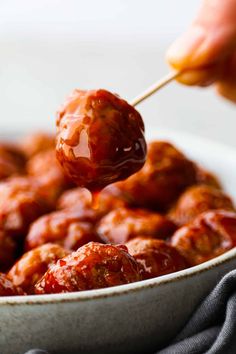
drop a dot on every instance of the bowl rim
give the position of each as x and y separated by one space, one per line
156 282
120 289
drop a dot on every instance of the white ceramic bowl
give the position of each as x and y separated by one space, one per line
133 318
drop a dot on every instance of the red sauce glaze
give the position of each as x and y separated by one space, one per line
155 257
33 264
100 138
93 266
196 200
7 288
20 205
166 173
70 228
122 224
207 236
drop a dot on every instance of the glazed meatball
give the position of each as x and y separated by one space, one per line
93 266
207 236
7 166
196 200
33 264
75 197
8 248
15 151
12 161
155 257
79 234
207 178
48 176
20 205
100 138
108 199
37 142
69 228
122 224
7 288
166 173
111 198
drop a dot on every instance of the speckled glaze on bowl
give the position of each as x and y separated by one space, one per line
133 318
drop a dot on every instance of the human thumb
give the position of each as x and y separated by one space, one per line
210 39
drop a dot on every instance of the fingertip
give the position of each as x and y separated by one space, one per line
226 90
198 77
183 52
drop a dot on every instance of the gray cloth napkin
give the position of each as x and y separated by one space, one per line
212 327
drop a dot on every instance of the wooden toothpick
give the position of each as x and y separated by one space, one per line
155 87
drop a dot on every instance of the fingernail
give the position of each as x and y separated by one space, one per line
185 49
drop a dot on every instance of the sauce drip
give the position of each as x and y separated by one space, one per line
95 200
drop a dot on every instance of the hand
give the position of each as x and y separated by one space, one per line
207 51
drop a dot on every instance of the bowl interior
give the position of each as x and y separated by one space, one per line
217 158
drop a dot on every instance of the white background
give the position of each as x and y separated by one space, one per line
50 47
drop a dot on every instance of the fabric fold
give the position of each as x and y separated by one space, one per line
212 327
